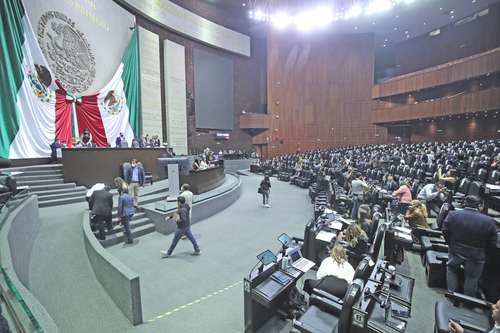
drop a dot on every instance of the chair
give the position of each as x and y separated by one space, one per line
445 310
327 315
374 250
462 189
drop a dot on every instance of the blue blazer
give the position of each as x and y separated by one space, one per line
126 205
128 174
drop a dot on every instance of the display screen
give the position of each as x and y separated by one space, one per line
267 257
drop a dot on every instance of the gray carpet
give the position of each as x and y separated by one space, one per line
205 294
63 280
184 293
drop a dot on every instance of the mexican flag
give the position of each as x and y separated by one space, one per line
35 108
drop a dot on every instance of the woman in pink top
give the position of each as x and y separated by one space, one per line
403 193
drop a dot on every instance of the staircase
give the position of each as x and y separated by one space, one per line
139 226
47 182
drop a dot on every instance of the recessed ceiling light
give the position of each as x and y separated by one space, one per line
440 8
386 40
425 23
452 12
452 17
384 45
243 4
355 28
406 32
395 28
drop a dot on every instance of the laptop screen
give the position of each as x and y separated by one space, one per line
285 239
295 255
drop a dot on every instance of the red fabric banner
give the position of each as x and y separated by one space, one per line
89 116
63 118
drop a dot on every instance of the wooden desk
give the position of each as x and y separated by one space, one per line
87 166
202 181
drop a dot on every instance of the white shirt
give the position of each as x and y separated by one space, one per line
330 267
188 195
203 165
428 192
95 187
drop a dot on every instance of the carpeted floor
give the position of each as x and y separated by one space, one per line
205 294
184 293
63 280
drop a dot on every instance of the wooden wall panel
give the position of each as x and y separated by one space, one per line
484 100
458 70
319 92
458 129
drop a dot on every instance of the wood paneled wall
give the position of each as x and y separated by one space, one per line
452 130
458 70
319 92
483 100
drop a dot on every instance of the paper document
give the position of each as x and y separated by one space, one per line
325 236
337 225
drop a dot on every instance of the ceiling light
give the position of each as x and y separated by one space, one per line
378 6
353 12
243 4
280 20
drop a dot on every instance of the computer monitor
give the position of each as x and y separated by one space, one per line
267 257
285 239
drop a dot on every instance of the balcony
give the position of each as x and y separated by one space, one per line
479 101
450 72
254 123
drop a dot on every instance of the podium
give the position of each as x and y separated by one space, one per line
172 168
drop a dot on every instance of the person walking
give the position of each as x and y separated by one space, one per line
188 195
101 206
126 211
183 228
265 189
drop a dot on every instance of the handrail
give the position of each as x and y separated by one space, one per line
21 301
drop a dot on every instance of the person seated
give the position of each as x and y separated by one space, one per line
334 265
135 143
403 193
364 219
86 138
357 243
196 165
390 184
495 316
416 215
203 165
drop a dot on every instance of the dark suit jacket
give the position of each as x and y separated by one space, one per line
129 171
101 203
469 233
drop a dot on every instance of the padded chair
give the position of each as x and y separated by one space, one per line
331 285
462 189
494 177
374 250
328 315
445 310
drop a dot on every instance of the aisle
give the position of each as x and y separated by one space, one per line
62 279
205 293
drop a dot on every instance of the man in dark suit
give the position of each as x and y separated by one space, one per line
101 206
468 233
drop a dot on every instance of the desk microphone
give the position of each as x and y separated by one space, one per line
369 294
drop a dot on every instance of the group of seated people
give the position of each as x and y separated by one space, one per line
418 179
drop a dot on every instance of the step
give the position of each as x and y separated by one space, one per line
61 191
134 224
39 172
59 202
117 238
23 178
40 182
43 188
73 194
35 168
137 216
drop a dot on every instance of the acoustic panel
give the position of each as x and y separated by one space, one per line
213 90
